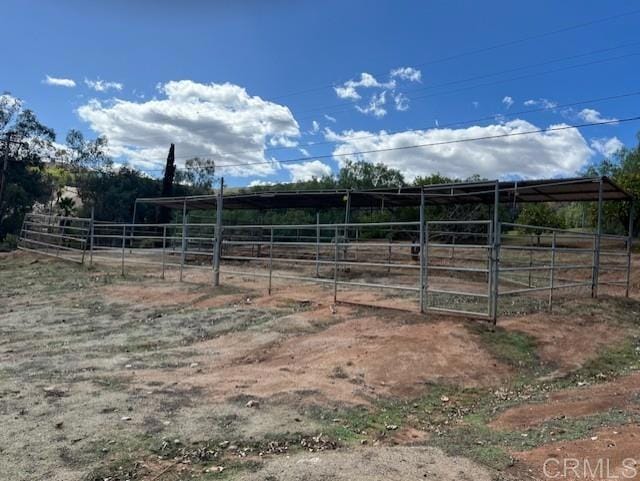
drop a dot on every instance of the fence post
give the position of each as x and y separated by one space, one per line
426 266
596 245
553 270
530 260
270 259
335 268
124 241
91 235
183 254
164 248
421 244
495 253
629 246
218 246
317 244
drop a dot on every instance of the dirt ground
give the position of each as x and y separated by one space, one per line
105 377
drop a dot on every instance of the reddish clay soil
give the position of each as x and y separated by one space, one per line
573 403
578 460
566 341
348 362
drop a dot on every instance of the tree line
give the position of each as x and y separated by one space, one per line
39 170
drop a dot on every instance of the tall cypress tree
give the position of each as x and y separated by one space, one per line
164 214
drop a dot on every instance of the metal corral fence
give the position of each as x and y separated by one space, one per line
459 267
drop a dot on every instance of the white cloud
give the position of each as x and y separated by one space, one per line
541 102
348 90
315 127
593 116
546 154
407 73
308 170
259 183
102 85
59 82
401 101
507 101
217 121
607 146
330 119
475 104
375 106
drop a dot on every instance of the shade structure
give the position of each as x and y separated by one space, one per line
581 189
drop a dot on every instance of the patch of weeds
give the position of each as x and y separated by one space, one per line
338 372
514 348
612 361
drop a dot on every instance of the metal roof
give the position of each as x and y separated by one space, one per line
546 190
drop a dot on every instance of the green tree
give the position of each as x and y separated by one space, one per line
541 214
365 175
26 182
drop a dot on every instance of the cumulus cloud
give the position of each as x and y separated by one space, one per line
221 122
546 154
315 127
592 115
607 146
308 170
59 82
407 73
375 106
330 119
507 101
102 85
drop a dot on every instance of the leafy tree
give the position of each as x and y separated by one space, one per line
541 214
365 175
624 169
26 182
199 173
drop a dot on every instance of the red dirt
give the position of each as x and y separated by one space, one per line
566 341
573 403
611 447
346 362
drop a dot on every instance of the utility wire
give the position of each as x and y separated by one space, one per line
441 126
486 49
435 144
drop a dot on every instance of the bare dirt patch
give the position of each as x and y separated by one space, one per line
347 362
598 458
376 463
567 341
623 393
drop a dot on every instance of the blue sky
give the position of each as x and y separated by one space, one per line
233 80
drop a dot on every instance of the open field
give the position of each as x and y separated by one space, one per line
135 378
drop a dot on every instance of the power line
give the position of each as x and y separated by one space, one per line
339 107
489 48
441 126
435 144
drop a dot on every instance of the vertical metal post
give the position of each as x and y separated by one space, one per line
347 214
495 253
270 259
164 248
530 260
317 244
133 223
488 264
183 254
421 244
335 268
91 236
597 244
629 247
218 246
426 266
124 243
553 270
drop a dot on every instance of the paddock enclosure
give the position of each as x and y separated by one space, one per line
475 267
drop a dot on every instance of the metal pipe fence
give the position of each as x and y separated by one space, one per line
475 268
